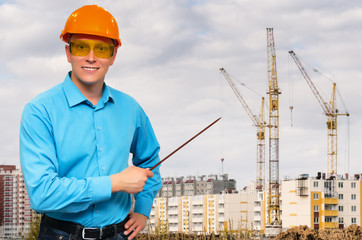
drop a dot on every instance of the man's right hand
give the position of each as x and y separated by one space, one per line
131 180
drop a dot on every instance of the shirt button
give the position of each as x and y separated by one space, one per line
97 211
100 149
103 168
99 127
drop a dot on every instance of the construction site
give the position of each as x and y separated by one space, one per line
268 206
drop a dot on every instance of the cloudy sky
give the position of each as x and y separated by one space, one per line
170 60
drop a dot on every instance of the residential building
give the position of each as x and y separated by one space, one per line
321 203
15 211
317 202
204 213
193 185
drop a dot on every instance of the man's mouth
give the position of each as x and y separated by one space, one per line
90 68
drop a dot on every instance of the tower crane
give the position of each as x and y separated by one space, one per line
259 122
273 219
331 112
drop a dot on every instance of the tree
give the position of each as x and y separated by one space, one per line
34 227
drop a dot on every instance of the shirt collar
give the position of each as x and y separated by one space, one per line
75 97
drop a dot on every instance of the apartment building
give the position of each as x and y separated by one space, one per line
15 211
317 202
196 185
204 213
321 203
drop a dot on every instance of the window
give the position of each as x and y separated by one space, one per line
340 184
316 208
353 208
315 196
340 196
340 208
340 220
316 220
353 185
261 196
315 184
354 220
353 196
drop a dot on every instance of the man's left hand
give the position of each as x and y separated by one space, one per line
135 224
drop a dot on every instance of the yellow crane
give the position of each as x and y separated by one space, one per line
259 122
331 112
273 226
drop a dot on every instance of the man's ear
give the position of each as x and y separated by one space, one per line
67 52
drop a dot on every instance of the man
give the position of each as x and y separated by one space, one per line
76 138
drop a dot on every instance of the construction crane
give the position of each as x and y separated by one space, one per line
259 122
331 112
273 219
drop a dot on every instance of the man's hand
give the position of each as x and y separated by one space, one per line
131 180
135 224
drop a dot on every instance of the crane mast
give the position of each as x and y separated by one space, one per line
331 112
273 219
260 149
259 122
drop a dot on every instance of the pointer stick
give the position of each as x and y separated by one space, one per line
203 130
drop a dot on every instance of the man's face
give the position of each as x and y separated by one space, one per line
90 69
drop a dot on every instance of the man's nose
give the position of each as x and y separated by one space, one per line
91 57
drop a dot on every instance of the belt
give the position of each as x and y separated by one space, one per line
87 233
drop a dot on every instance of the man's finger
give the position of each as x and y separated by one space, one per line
129 223
134 233
149 173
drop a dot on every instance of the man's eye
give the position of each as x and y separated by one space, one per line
101 48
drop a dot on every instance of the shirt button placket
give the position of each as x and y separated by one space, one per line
99 140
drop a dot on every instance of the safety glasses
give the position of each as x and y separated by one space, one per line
82 48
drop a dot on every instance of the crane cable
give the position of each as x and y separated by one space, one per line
222 133
291 94
249 88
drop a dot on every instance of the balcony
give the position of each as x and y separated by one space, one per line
330 213
329 225
330 200
197 219
257 209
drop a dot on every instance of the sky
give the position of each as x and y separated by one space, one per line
169 62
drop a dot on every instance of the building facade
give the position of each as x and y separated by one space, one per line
321 203
15 211
317 202
196 185
203 213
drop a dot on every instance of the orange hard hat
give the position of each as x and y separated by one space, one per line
93 20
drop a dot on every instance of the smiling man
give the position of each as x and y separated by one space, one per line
76 138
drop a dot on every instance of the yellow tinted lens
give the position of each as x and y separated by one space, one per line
79 48
103 50
83 47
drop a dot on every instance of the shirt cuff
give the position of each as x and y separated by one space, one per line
101 188
143 206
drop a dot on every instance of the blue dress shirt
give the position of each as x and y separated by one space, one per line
69 148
